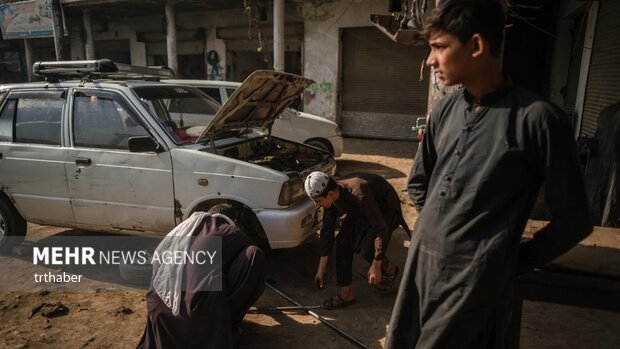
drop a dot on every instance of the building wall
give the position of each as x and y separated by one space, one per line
147 39
115 31
322 26
187 42
77 45
602 88
561 49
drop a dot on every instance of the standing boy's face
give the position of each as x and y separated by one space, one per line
450 59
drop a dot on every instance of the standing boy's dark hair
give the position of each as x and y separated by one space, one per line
464 18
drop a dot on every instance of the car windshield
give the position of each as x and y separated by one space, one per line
184 112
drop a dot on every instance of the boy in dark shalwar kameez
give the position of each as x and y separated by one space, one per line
180 313
487 150
371 210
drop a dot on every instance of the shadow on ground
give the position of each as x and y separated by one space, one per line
346 167
393 149
293 271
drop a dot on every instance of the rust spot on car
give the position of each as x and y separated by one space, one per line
177 210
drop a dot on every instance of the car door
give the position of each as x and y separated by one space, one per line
283 126
32 169
111 187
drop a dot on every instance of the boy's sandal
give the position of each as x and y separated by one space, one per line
387 282
336 302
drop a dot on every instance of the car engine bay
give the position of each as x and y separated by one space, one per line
278 154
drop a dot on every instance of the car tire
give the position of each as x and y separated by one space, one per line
12 225
136 273
247 220
321 144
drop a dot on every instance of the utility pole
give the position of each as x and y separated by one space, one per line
58 28
29 62
171 38
278 35
90 45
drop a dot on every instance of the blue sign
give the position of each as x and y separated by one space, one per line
28 19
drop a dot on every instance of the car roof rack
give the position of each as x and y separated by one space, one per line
54 71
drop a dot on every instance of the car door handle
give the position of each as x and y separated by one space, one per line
0 155
82 161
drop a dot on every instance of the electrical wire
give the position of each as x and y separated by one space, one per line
342 14
513 14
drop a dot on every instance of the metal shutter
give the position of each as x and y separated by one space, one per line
603 89
381 92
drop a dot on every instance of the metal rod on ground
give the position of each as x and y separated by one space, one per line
266 310
326 322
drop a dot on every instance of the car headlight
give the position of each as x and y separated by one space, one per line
292 191
338 131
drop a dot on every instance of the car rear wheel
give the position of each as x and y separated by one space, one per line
321 144
12 225
137 273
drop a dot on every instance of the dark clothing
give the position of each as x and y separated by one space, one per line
356 236
207 320
372 210
474 180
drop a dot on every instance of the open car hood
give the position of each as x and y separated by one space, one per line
258 101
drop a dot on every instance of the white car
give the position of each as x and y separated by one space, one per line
290 124
93 149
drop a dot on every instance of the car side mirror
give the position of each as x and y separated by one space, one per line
143 144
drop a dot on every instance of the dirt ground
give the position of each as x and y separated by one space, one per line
114 316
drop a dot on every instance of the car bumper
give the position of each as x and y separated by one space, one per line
290 227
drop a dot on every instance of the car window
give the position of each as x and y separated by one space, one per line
102 120
183 111
213 92
6 121
186 105
37 120
230 91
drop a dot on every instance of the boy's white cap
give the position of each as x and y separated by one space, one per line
316 183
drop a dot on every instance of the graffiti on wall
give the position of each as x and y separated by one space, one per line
214 70
319 99
323 89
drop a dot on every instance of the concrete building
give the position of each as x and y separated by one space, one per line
368 84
